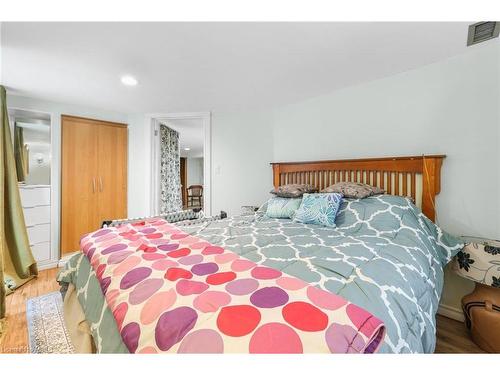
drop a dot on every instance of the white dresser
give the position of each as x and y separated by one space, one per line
35 200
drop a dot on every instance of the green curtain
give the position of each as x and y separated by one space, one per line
26 158
20 154
17 264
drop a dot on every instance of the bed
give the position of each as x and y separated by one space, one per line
385 256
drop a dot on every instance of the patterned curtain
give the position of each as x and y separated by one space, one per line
170 170
17 264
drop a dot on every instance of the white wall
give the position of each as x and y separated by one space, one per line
241 153
194 167
450 107
139 165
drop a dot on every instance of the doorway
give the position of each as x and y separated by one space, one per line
181 151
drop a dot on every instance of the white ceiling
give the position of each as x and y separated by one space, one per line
190 136
212 66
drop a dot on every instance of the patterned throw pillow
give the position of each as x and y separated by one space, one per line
353 190
293 190
319 209
282 208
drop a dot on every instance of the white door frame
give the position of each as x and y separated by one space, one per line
155 120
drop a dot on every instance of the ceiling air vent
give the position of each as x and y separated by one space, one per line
481 31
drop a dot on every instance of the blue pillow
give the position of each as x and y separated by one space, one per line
319 209
282 208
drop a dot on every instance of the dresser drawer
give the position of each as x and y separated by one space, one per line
39 196
41 251
39 233
37 215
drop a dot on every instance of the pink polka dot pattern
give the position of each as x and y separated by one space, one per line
285 340
265 273
144 290
152 256
241 287
291 283
269 297
188 287
210 250
203 269
119 257
130 335
119 313
191 259
225 258
172 292
127 265
324 299
134 276
156 305
207 341
173 325
163 264
211 301
242 265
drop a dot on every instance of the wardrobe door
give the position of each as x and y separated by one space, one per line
112 172
78 181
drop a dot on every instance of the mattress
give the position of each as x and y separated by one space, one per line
383 255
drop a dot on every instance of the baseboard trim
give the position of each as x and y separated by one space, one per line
451 312
47 265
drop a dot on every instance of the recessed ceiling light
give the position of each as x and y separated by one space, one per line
129 81
186 149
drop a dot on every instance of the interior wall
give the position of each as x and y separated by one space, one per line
139 166
241 153
194 168
450 107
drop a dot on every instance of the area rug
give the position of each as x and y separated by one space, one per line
46 329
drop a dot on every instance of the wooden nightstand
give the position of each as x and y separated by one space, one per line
480 262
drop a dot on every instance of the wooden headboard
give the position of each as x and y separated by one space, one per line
418 177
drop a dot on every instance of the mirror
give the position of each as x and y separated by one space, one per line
31 133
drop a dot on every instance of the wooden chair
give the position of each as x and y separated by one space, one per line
195 193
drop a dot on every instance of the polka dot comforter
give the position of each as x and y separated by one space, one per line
173 292
383 255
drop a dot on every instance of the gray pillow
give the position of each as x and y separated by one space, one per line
353 189
293 190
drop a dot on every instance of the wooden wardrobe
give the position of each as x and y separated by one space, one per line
94 177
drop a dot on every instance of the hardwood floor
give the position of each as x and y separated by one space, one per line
15 338
452 336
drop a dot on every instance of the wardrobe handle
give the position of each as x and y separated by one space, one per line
93 184
100 183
